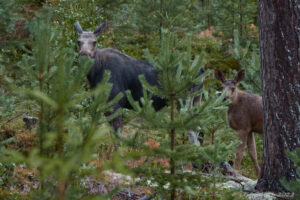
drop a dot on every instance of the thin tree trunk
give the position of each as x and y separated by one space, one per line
173 192
208 15
280 72
41 119
241 18
61 190
161 19
213 138
234 24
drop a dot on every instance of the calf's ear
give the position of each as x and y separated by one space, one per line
219 75
78 28
239 76
100 29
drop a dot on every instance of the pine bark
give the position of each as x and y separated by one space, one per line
279 22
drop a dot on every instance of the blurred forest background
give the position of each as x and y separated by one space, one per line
54 137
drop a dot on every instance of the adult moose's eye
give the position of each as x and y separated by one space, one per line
94 43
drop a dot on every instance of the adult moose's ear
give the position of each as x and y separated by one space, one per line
239 76
100 29
78 28
219 75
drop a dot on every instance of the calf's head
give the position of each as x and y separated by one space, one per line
87 40
230 85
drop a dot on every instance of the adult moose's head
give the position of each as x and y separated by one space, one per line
230 85
87 41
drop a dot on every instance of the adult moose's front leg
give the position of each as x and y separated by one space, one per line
243 136
117 123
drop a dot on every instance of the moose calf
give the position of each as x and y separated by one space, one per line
244 115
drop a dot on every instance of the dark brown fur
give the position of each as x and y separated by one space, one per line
124 72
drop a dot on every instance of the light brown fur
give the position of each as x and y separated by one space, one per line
244 116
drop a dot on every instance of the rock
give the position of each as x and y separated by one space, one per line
260 196
94 186
230 185
249 185
30 121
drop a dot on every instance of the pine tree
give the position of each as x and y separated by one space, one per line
176 77
68 133
248 59
7 16
228 16
175 15
6 106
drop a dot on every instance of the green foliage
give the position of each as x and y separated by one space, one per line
8 16
252 78
33 2
68 12
110 8
90 14
228 16
294 185
6 106
248 59
49 81
120 36
176 76
6 173
66 141
169 14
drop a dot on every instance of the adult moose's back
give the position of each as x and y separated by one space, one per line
124 69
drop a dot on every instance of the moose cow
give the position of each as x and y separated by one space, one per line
124 71
244 115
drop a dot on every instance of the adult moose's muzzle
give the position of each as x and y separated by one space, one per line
85 53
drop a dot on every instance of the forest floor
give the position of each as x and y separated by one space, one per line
23 180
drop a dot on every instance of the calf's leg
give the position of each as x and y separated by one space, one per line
252 151
243 136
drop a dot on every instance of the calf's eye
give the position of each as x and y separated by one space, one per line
232 89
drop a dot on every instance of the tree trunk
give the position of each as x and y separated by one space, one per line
241 18
280 73
173 192
208 16
161 18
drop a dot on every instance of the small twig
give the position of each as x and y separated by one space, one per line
145 197
15 117
128 195
232 179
